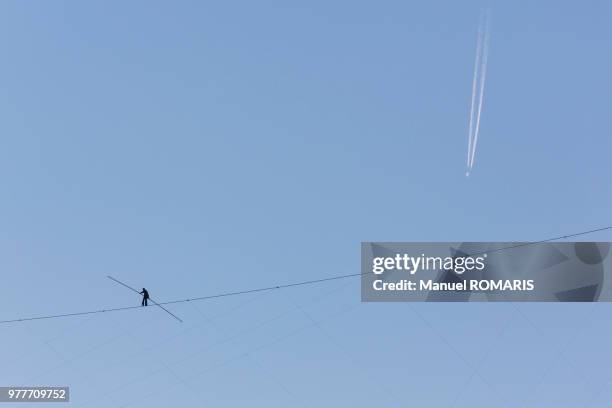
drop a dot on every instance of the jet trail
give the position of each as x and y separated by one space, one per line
474 83
480 74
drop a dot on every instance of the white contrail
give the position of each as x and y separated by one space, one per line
478 84
483 72
474 82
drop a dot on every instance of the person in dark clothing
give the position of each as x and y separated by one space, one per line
145 297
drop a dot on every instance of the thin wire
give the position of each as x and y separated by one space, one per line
542 241
285 286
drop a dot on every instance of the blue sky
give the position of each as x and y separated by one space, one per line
200 148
